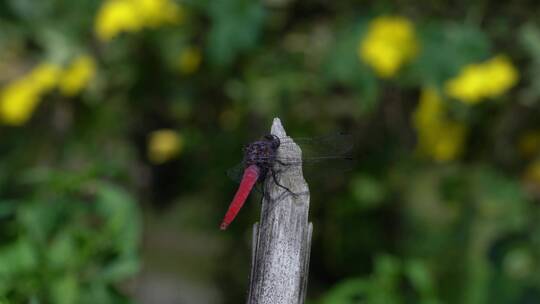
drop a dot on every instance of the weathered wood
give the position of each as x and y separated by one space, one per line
282 239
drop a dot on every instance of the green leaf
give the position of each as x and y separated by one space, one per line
344 67
65 290
62 251
346 292
500 198
121 215
422 280
7 208
529 38
17 258
124 267
367 190
462 45
236 25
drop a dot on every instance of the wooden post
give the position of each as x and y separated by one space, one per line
282 239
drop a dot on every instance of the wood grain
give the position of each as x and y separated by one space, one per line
282 239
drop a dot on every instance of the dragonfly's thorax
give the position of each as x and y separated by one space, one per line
262 152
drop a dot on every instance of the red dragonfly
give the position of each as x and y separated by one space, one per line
260 157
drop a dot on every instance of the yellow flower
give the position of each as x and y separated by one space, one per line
389 43
430 109
117 16
164 145
503 75
438 137
190 60
158 12
45 76
529 143
532 173
77 76
450 141
19 99
477 82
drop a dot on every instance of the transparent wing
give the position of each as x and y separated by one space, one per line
324 147
235 173
315 150
328 153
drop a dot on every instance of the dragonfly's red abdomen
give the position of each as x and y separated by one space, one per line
250 177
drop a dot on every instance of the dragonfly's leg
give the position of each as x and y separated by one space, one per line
275 179
277 183
281 169
281 163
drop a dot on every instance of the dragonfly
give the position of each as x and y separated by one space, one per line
261 157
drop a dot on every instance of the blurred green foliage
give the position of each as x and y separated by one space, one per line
115 109
62 248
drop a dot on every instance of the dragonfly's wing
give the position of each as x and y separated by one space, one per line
235 173
328 167
329 153
319 166
315 150
330 146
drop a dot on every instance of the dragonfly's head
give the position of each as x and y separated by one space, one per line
274 140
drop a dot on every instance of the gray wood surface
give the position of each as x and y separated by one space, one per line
282 239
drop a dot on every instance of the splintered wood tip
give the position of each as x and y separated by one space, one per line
277 128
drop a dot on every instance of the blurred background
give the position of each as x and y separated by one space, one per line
119 119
